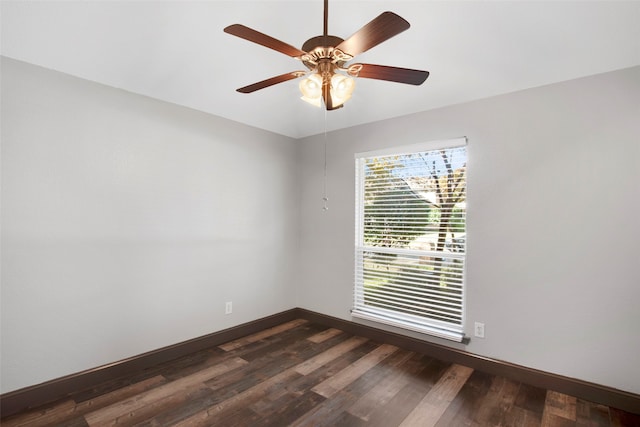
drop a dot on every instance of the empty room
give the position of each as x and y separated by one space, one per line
320 213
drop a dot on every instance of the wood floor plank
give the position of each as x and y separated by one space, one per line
208 416
269 365
240 416
531 399
334 411
68 416
109 414
590 414
250 349
229 385
311 349
152 409
305 383
385 389
469 403
325 335
521 417
499 402
175 408
45 417
348 375
321 359
552 420
75 417
527 408
188 364
620 418
432 372
433 405
212 415
75 422
398 408
261 335
119 394
324 414
288 408
345 419
283 342
226 388
561 405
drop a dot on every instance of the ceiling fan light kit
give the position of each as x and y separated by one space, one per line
330 80
314 86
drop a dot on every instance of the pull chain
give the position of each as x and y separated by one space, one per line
325 199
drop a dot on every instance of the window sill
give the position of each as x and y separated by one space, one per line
428 330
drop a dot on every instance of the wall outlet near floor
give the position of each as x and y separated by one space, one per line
478 330
228 307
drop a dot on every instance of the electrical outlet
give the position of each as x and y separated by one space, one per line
479 330
228 307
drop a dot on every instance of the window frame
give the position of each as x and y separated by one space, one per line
383 315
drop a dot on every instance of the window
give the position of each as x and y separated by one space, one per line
411 237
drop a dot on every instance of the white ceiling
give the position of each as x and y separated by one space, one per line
176 51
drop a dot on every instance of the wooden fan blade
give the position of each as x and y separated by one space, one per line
393 74
254 36
270 82
380 29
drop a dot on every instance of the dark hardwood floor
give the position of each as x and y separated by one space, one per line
303 374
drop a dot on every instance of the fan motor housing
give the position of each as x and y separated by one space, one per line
321 41
322 49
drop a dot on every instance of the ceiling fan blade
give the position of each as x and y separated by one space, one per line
393 74
380 29
270 82
254 36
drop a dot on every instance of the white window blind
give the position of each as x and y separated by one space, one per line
411 238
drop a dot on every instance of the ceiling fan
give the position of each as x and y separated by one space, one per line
330 78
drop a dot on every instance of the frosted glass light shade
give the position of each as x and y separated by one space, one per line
341 89
311 89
